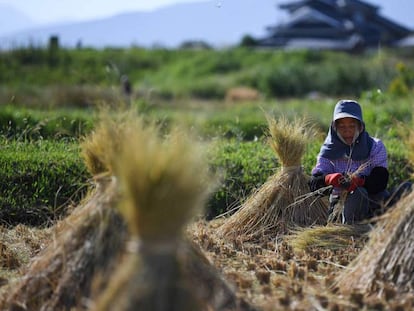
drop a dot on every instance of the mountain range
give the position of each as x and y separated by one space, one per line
169 26
216 23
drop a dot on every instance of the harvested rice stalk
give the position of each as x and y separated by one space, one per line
331 236
336 214
17 246
388 258
273 208
165 182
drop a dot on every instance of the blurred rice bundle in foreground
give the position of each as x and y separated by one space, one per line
164 182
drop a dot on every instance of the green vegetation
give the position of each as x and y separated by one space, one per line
48 103
25 124
40 180
35 76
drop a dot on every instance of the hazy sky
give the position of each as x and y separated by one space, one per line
60 10
45 11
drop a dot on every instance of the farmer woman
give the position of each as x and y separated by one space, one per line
352 161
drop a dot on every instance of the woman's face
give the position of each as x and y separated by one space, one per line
347 128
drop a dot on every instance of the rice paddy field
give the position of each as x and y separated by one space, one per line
160 202
139 238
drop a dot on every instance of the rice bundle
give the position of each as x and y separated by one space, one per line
388 258
274 208
164 183
87 242
100 148
331 236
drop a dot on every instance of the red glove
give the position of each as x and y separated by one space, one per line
334 179
356 182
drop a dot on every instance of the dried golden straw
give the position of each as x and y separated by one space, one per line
87 242
164 183
272 209
388 258
336 214
100 148
331 236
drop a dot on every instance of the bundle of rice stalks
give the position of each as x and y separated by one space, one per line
331 236
388 258
164 184
274 208
87 242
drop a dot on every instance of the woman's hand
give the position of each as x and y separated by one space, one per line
347 182
335 179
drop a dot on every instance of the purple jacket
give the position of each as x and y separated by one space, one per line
376 157
362 156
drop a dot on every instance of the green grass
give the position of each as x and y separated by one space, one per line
25 124
40 180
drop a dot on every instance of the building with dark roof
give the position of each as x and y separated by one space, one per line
349 25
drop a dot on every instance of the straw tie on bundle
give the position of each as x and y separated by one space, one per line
273 209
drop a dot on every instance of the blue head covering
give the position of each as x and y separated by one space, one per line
334 148
347 109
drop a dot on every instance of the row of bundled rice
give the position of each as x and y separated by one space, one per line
123 248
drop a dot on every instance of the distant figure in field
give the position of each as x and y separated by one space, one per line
126 87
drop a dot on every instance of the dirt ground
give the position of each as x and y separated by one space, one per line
273 275
269 275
